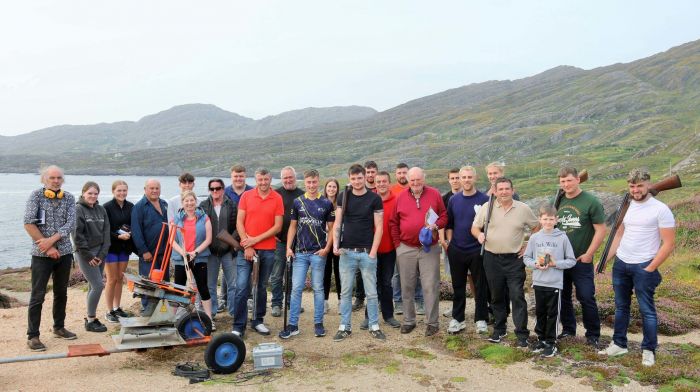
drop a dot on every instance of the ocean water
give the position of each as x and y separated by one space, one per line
15 244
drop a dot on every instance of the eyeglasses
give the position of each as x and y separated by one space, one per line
216 189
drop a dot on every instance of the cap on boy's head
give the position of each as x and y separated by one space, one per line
426 238
547 209
637 176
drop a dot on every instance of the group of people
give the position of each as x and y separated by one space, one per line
388 238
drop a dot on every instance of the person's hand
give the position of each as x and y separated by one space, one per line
322 252
44 244
373 255
649 269
481 238
95 262
53 253
147 256
124 236
249 253
290 253
585 258
522 250
336 251
445 244
248 242
432 227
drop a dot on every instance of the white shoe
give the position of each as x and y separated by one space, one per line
447 313
481 327
456 326
648 358
613 350
262 329
326 307
213 326
250 305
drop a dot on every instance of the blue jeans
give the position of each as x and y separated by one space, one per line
625 278
277 274
145 269
243 285
224 262
302 262
396 285
349 264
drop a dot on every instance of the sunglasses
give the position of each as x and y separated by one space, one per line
216 188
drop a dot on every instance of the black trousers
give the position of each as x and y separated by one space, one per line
200 277
385 271
42 268
507 272
460 263
332 264
547 307
581 276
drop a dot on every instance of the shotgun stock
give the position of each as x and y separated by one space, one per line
582 176
672 182
254 279
492 199
225 237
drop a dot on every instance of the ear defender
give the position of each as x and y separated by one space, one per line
53 195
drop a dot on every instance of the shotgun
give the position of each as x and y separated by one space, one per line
225 237
254 279
342 212
672 182
582 176
492 199
287 287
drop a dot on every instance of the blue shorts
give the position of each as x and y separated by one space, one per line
117 257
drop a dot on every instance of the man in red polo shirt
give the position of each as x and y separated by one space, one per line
414 258
259 218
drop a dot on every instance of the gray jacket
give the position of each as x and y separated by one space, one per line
226 220
91 237
558 246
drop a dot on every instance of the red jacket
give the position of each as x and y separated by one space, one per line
386 245
408 219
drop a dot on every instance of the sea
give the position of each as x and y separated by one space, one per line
15 244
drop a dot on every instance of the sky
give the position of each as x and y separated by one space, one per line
86 62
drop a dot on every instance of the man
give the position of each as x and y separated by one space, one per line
259 219
510 220
643 242
371 171
312 220
356 236
401 174
49 219
582 218
147 219
494 171
464 252
233 192
186 183
289 192
386 254
417 259
453 179
222 213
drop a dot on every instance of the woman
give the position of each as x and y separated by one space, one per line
192 244
119 214
330 191
91 242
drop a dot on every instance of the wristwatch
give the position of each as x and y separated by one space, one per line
196 254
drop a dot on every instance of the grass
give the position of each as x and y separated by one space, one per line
502 355
417 353
542 384
357 359
393 367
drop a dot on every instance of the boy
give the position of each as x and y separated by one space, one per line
548 252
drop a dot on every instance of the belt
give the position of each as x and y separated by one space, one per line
358 250
504 255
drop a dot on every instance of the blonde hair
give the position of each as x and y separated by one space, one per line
116 183
187 194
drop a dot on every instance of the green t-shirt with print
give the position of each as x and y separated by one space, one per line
576 218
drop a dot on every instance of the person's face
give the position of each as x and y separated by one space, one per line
504 192
382 183
416 181
639 190
493 173
548 221
401 174
453 179
311 185
238 179
331 189
216 190
289 180
120 192
262 182
569 184
467 179
357 181
152 190
54 179
370 174
189 203
91 195
186 185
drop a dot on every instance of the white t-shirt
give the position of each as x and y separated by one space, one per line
641 239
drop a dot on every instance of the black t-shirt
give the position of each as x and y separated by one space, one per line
288 201
358 219
446 197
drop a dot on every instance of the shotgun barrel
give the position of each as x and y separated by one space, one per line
287 287
254 279
492 199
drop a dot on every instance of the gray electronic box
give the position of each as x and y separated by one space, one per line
268 356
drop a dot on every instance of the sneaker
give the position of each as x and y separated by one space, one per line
591 341
221 308
398 307
95 326
35 344
378 334
431 330
213 326
340 335
539 347
319 330
364 325
358 304
64 334
261 329
565 335
326 307
121 313
496 337
481 326
613 350
288 332
250 305
522 343
447 313
420 308
276 311
392 322
238 333
456 326
549 351
407 328
648 358
112 317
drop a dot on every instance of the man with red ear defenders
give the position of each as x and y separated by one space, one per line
49 218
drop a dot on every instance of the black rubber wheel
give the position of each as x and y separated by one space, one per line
225 353
192 324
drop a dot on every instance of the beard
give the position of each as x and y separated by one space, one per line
639 196
402 181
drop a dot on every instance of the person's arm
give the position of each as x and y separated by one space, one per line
378 228
106 237
529 255
616 241
668 243
68 227
329 243
291 233
569 258
442 213
272 231
597 240
207 239
137 234
336 229
394 226
81 244
478 224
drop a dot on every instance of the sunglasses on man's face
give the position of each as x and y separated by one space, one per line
216 188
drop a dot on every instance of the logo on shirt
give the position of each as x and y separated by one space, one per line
570 221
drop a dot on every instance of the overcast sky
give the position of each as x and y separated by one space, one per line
84 62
